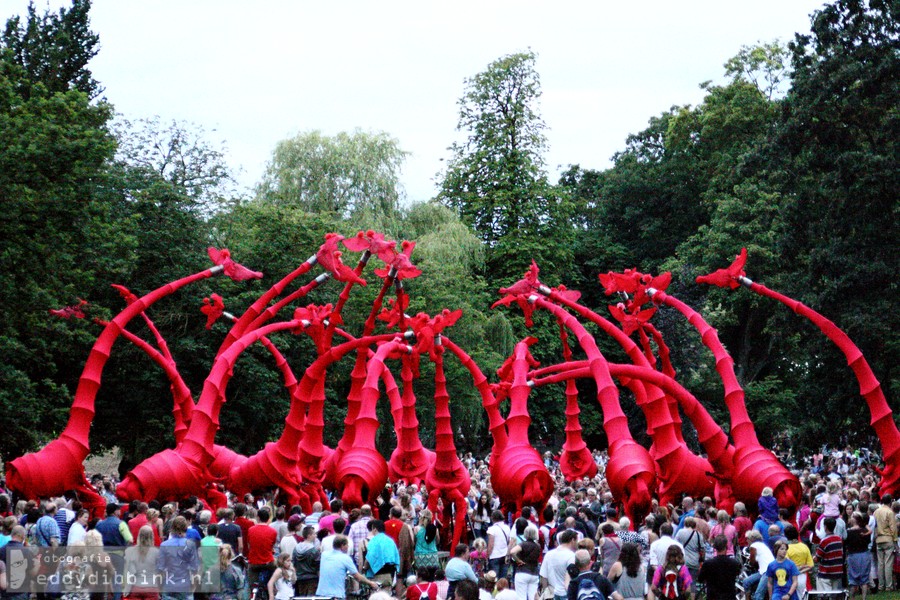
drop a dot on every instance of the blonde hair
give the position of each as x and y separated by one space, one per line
767 491
225 556
480 544
93 538
145 540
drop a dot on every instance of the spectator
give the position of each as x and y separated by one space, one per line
526 555
553 570
306 562
335 567
885 542
178 562
672 579
629 572
498 544
261 540
720 572
782 575
585 582
859 558
830 557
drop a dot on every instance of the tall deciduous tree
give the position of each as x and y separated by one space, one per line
347 175
495 180
54 48
57 237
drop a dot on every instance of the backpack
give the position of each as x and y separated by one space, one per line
551 537
587 588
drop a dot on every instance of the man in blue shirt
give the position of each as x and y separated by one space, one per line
382 557
334 567
178 562
458 568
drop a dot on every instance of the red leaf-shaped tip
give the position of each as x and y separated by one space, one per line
236 271
375 243
70 312
661 282
567 294
213 307
125 293
728 277
330 258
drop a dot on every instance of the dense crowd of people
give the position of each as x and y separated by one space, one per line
580 547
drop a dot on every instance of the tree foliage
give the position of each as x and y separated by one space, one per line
495 180
53 49
349 175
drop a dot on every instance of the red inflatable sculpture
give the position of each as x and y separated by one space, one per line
300 467
755 467
57 467
882 419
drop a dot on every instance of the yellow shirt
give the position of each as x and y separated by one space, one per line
800 554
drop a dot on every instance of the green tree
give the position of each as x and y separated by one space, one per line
53 49
58 239
347 175
495 180
835 158
179 154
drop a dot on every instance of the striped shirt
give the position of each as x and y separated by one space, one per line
830 556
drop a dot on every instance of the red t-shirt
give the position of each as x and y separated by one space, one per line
743 525
262 540
245 524
135 524
392 528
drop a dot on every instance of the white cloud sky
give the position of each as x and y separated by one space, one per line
258 72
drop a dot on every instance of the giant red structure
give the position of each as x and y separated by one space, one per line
301 467
882 419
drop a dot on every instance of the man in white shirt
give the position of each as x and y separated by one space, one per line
553 569
328 541
760 552
659 547
498 544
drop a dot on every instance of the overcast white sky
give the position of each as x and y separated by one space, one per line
253 73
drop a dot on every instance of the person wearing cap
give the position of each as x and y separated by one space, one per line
289 541
115 531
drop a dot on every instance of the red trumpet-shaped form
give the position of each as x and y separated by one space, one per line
631 473
755 467
710 435
518 474
362 471
882 419
185 470
58 467
447 477
575 460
